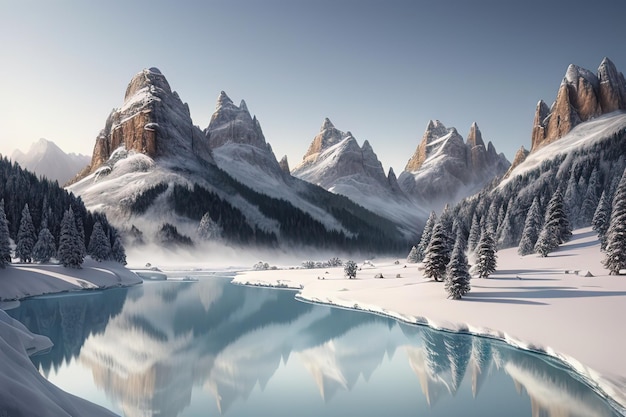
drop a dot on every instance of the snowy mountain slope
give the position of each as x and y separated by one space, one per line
336 162
45 158
580 137
445 169
156 174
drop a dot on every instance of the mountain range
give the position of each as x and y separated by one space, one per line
46 159
152 167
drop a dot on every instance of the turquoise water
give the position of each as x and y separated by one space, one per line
210 348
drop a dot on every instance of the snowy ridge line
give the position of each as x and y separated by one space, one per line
610 390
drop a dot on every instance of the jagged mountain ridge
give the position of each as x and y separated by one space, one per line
445 169
152 166
336 162
45 158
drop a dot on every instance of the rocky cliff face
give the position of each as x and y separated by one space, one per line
444 168
152 121
582 96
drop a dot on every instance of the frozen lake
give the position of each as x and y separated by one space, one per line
213 348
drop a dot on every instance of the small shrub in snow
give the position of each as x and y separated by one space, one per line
261 266
350 269
308 264
379 275
335 262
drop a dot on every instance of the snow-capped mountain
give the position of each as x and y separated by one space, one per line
336 162
45 158
155 174
582 96
445 169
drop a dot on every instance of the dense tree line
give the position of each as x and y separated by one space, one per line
36 214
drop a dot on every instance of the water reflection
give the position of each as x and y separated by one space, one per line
154 349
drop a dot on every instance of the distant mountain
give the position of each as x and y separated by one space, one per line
45 158
156 175
336 162
445 169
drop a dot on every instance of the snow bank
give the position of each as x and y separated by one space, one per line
27 280
534 303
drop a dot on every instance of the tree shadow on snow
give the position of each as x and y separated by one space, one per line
481 299
551 292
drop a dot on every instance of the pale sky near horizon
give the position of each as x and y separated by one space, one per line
380 69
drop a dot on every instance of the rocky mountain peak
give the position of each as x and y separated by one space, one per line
475 137
148 79
152 121
328 136
232 123
284 164
582 96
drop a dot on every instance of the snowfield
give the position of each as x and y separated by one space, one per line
546 305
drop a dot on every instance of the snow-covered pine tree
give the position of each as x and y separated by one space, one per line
208 229
486 258
532 226
5 240
601 218
474 234
45 247
506 238
447 222
80 230
412 258
548 239
572 199
426 235
557 216
616 234
590 202
118 253
437 254
457 281
69 253
26 237
99 244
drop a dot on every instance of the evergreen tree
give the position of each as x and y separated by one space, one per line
412 258
208 229
548 239
601 218
590 202
99 244
474 234
616 234
532 225
437 254
457 272
556 216
426 235
69 252
506 238
80 230
572 199
26 237
486 255
45 247
118 253
5 240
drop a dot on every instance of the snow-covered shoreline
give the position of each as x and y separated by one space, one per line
544 305
24 391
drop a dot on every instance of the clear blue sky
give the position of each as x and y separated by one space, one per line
380 69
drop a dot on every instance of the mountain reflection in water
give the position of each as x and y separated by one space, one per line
151 348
